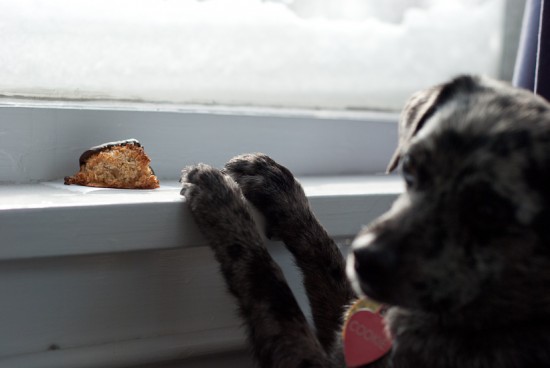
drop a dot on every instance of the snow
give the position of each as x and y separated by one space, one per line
334 54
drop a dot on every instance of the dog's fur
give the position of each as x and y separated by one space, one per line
462 258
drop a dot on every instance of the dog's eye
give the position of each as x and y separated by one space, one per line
493 210
487 210
409 171
484 206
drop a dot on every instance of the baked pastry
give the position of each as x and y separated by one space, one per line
121 164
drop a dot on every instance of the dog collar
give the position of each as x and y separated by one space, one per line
364 334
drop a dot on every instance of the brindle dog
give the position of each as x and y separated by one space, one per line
462 258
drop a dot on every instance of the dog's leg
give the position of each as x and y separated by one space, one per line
277 329
274 191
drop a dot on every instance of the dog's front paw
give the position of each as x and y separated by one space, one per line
273 189
206 188
216 203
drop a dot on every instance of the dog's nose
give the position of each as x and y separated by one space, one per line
374 265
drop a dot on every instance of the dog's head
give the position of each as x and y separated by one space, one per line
474 222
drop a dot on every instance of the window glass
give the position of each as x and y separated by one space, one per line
328 54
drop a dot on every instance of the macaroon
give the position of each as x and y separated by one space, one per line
122 164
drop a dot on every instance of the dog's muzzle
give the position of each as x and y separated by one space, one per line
370 267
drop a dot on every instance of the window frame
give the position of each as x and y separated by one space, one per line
151 238
41 141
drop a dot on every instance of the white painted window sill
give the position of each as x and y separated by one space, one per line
121 278
106 306
51 219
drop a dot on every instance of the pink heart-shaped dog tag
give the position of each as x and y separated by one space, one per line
365 339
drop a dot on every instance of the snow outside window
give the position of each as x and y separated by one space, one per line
330 54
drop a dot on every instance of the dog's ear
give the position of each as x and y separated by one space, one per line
417 110
422 105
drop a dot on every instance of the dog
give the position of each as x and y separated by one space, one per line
461 261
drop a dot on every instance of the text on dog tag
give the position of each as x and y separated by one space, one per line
365 339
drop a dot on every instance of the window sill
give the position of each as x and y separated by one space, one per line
71 220
116 307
